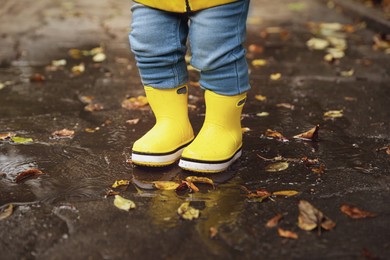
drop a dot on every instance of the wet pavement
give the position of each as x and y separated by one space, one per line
64 213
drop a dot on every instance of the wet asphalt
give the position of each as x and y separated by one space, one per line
65 213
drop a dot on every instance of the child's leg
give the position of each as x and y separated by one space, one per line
216 37
158 41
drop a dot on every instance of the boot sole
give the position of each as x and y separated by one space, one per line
208 166
157 159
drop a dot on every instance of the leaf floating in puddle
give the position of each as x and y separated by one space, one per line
333 114
197 179
356 213
312 134
165 185
275 134
135 102
30 173
287 234
310 218
64 133
6 212
21 140
120 183
287 193
187 212
277 167
273 222
123 204
6 136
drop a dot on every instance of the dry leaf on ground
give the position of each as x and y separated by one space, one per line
37 77
273 222
356 213
287 193
287 234
310 218
27 174
259 62
123 204
21 140
254 48
6 136
333 114
320 169
198 179
275 76
213 232
135 102
275 134
93 107
262 114
312 134
78 69
277 167
6 212
118 183
64 133
286 105
187 212
260 97
132 121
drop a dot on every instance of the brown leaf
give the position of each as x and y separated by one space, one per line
37 77
132 121
260 97
273 222
310 218
254 48
6 136
356 213
197 179
6 212
286 105
287 193
111 193
87 99
64 133
187 212
319 170
135 102
276 135
310 162
287 234
312 134
258 195
30 173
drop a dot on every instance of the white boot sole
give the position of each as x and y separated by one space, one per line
156 159
208 166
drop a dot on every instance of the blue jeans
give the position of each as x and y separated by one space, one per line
158 40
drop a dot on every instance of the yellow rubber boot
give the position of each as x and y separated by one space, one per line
219 142
164 143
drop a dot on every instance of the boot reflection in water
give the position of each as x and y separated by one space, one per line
160 30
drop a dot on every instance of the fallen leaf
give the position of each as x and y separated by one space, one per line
319 170
260 97
347 73
165 185
259 62
245 129
21 140
297 6
37 77
27 174
262 114
310 162
92 130
287 193
99 57
213 232
64 133
111 193
333 113
286 105
58 63
312 134
132 121
2 85
118 183
254 48
75 53
356 213
310 218
287 234
197 179
78 69
6 136
275 76
135 102
317 44
187 212
277 167
6 212
87 99
123 204
275 134
273 222
93 107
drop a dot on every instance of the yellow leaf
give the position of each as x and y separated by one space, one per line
287 193
135 102
262 114
260 97
259 62
197 179
277 167
99 57
317 44
120 183
245 129
275 76
165 185
333 113
123 204
287 234
6 212
187 212
21 140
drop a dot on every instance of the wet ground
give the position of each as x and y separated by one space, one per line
64 213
